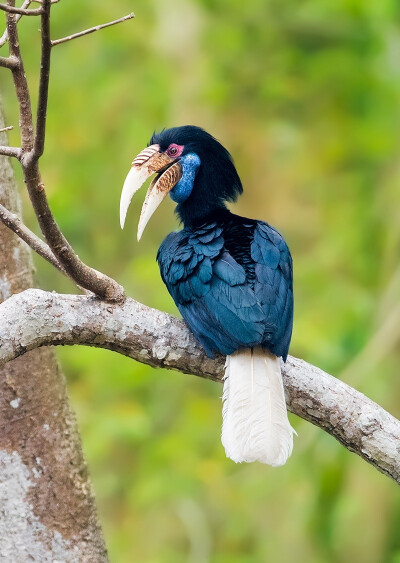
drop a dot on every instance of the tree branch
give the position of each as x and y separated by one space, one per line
21 11
21 85
32 148
11 151
84 276
91 30
4 37
9 62
40 133
14 223
36 318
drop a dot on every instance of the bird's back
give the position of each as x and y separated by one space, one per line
231 279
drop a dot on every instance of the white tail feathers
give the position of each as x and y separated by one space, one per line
255 423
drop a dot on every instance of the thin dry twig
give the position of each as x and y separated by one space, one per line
4 37
21 85
21 11
40 134
4 129
25 5
9 62
91 30
15 152
14 223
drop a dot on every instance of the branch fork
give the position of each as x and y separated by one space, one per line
10 9
58 251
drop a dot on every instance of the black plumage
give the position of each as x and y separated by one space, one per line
230 276
231 279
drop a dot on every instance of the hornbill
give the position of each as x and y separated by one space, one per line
231 279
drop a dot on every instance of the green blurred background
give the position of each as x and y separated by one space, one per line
306 96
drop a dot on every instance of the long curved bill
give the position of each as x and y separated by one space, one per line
148 162
158 189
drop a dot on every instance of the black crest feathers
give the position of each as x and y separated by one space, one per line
217 180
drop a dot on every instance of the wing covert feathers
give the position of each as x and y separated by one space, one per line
255 422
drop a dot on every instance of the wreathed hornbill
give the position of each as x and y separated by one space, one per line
231 279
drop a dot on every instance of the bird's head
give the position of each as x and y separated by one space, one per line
191 166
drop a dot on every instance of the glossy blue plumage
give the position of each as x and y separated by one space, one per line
231 280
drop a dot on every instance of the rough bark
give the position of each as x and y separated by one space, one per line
47 509
160 340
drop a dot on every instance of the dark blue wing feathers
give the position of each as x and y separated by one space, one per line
225 305
274 286
228 270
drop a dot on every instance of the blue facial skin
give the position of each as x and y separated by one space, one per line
182 190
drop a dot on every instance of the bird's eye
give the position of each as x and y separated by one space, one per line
172 151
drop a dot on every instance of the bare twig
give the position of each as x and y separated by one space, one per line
43 82
157 339
9 62
80 273
11 151
4 37
14 223
91 30
21 11
21 85
4 129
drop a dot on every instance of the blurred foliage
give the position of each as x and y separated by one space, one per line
306 96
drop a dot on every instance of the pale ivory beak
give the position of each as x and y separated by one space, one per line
146 163
158 189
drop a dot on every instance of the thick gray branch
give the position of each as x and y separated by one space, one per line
36 318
